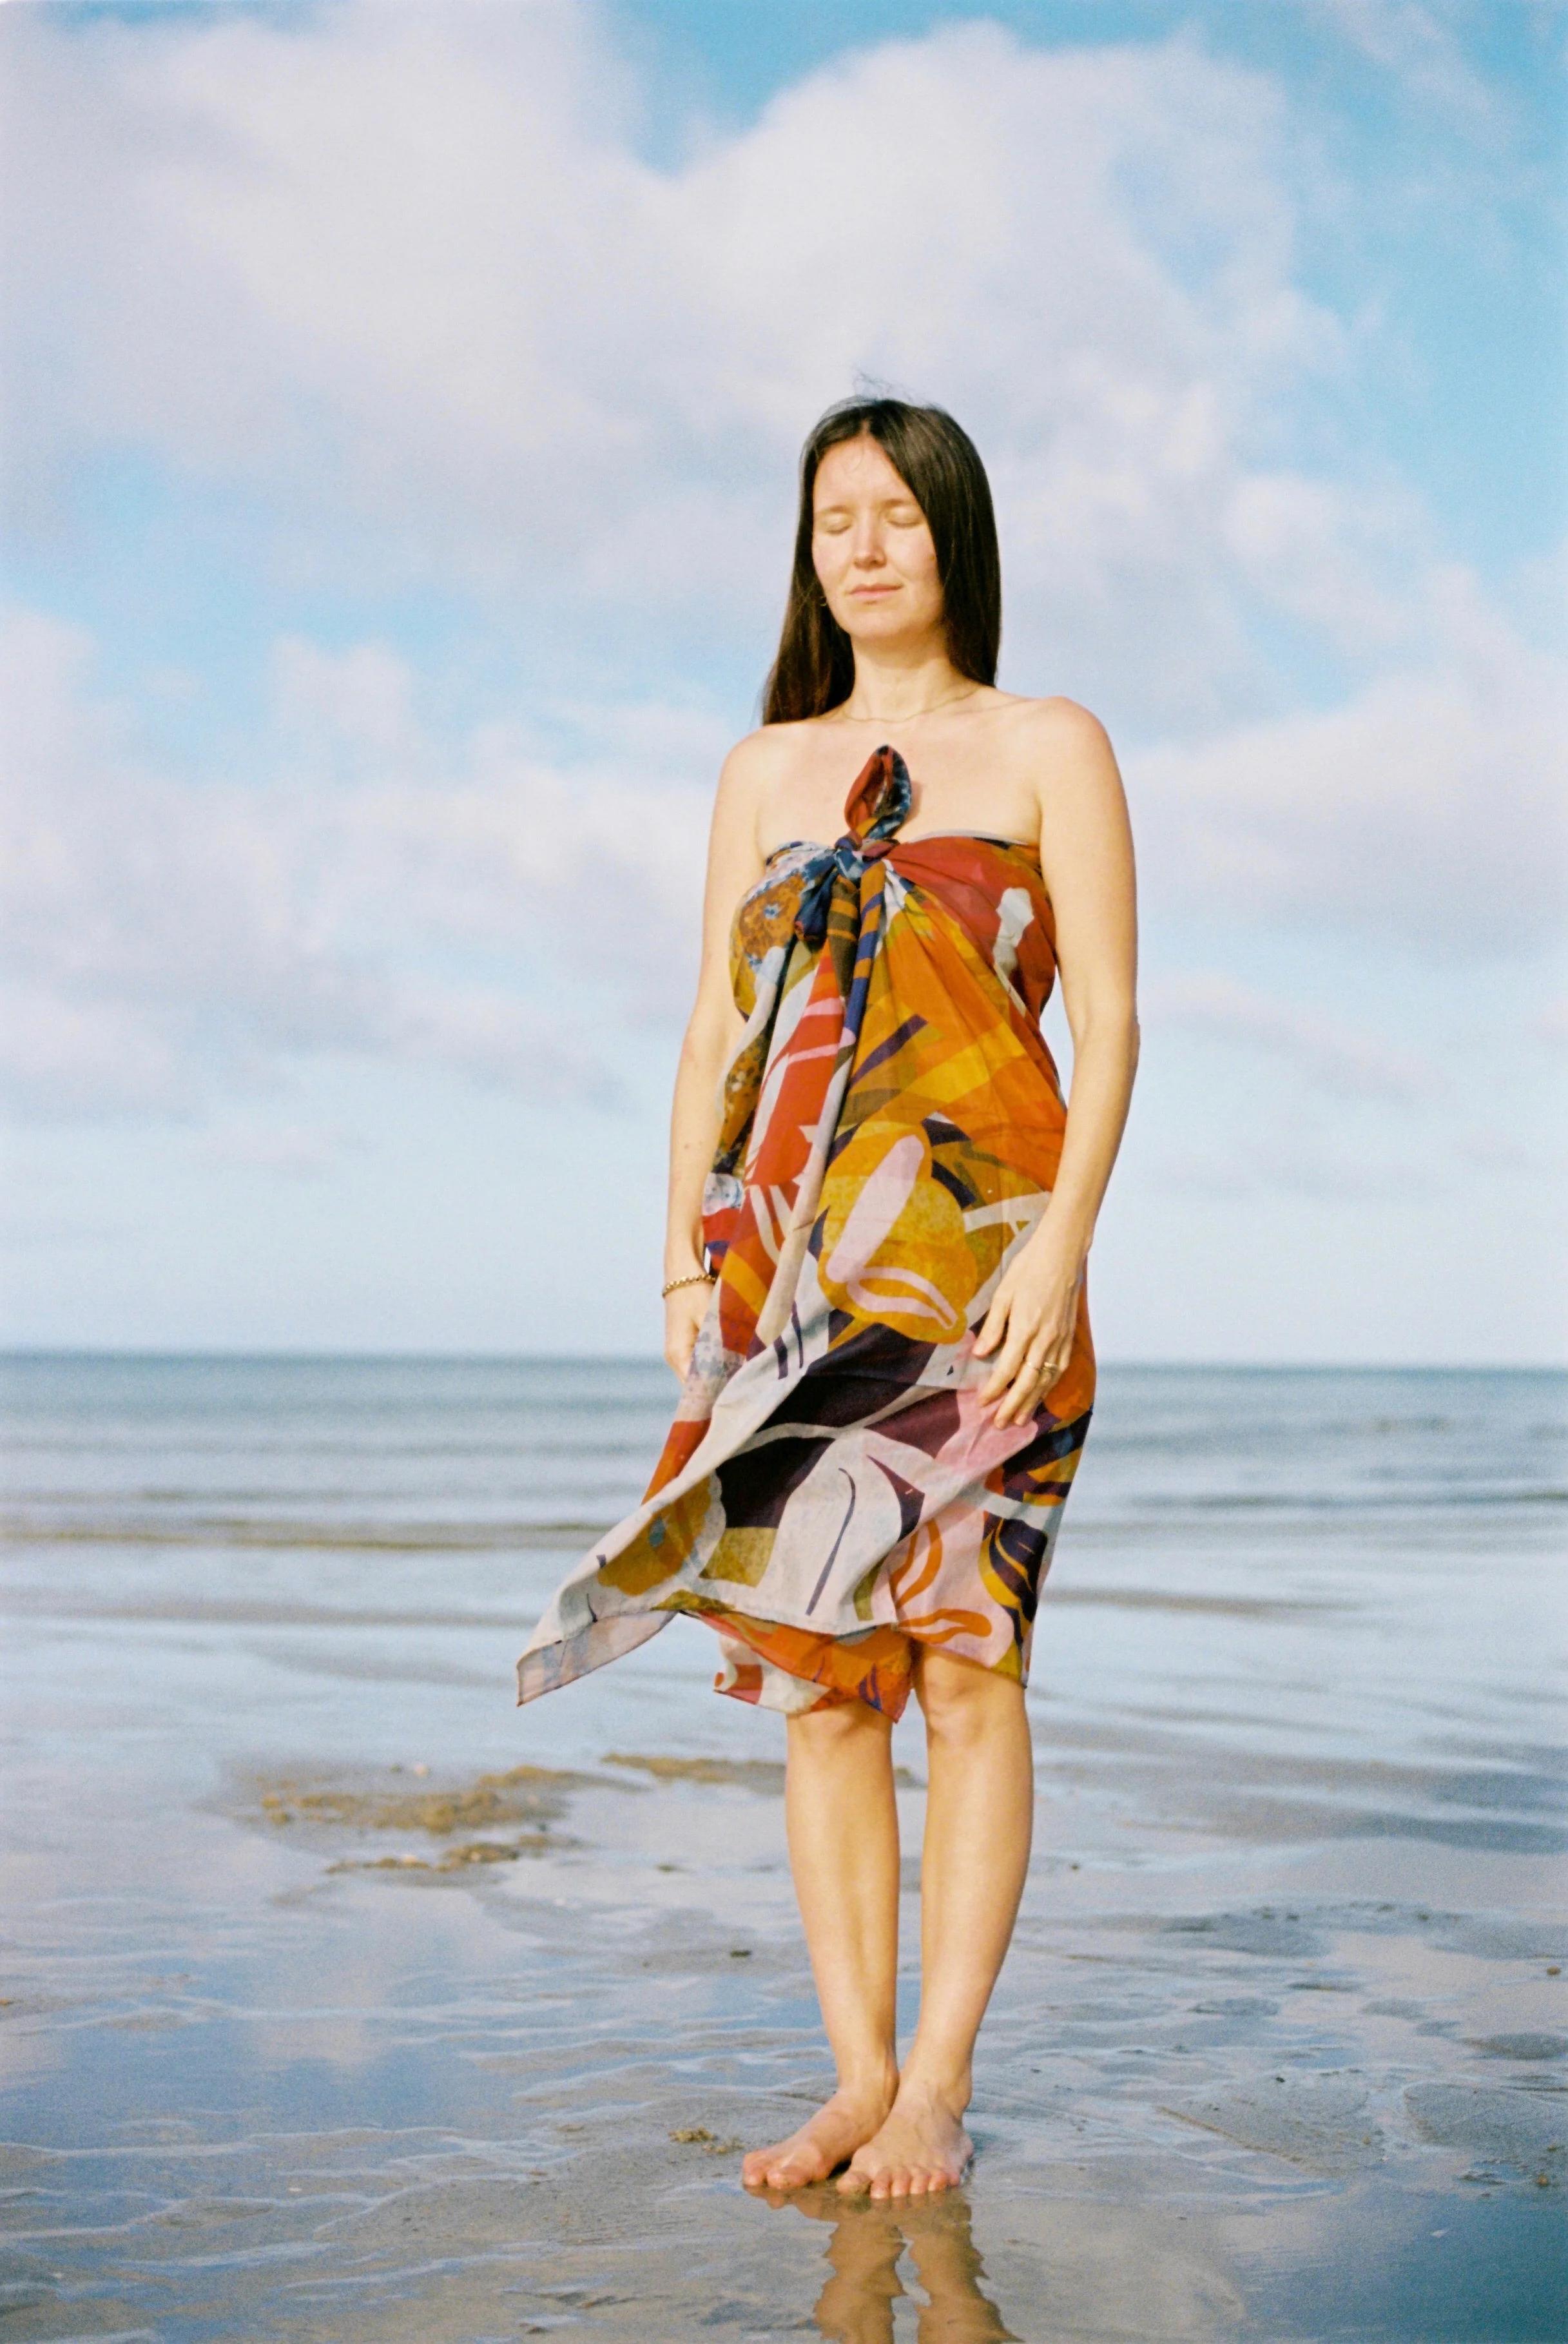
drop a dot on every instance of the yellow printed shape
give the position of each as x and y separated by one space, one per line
895 1250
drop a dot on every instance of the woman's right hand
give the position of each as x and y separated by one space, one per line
684 1311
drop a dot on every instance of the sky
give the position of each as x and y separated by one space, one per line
403 404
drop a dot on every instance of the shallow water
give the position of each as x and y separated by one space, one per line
301 2042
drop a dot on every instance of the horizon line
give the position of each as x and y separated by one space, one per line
17 1352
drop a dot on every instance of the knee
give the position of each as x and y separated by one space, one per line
839 1726
964 1703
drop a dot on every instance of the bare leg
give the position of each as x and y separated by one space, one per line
979 1816
843 1825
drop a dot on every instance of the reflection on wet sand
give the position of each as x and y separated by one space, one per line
869 2239
341 2000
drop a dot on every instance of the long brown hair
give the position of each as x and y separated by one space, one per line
940 465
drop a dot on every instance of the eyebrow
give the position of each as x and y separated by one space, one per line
906 497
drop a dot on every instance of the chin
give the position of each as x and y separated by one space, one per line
890 618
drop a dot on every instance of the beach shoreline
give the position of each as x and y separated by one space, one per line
1279 2051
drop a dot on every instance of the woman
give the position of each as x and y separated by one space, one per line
880 1213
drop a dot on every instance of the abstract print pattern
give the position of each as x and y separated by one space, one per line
832 1494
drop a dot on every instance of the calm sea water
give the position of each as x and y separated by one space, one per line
1334 1561
1279 2051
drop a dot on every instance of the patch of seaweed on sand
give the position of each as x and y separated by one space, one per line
456 1828
517 1811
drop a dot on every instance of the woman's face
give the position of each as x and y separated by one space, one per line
871 545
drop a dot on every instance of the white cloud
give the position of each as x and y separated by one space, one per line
1337 560
474 903
1427 812
343 713
59 1055
404 272
164 939
1286 1156
294 1151
1325 1050
1419 46
1286 1162
403 280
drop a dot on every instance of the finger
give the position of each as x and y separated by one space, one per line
1010 1407
1032 1379
1009 1360
1053 1369
996 1318
1022 1338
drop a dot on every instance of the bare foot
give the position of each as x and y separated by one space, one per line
922 2146
821 2145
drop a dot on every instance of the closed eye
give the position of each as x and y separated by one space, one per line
838 517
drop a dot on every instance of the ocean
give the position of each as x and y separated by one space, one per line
323 2019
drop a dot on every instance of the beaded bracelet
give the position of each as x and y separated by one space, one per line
694 1278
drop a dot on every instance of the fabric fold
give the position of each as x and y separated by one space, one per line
832 1493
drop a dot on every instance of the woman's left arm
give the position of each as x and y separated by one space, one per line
1085 855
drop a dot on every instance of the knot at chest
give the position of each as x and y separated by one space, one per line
848 859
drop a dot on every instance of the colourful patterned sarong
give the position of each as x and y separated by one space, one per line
832 1494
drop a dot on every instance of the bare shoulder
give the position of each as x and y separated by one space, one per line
745 776
1063 754
756 768
1060 736
759 758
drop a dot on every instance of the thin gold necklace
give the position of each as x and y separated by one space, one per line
909 719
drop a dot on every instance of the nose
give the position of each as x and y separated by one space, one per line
866 543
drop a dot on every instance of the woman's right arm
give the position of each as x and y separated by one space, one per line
734 864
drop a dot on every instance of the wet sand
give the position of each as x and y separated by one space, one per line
369 2055
341 2001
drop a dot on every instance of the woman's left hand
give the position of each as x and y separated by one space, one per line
1033 1315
